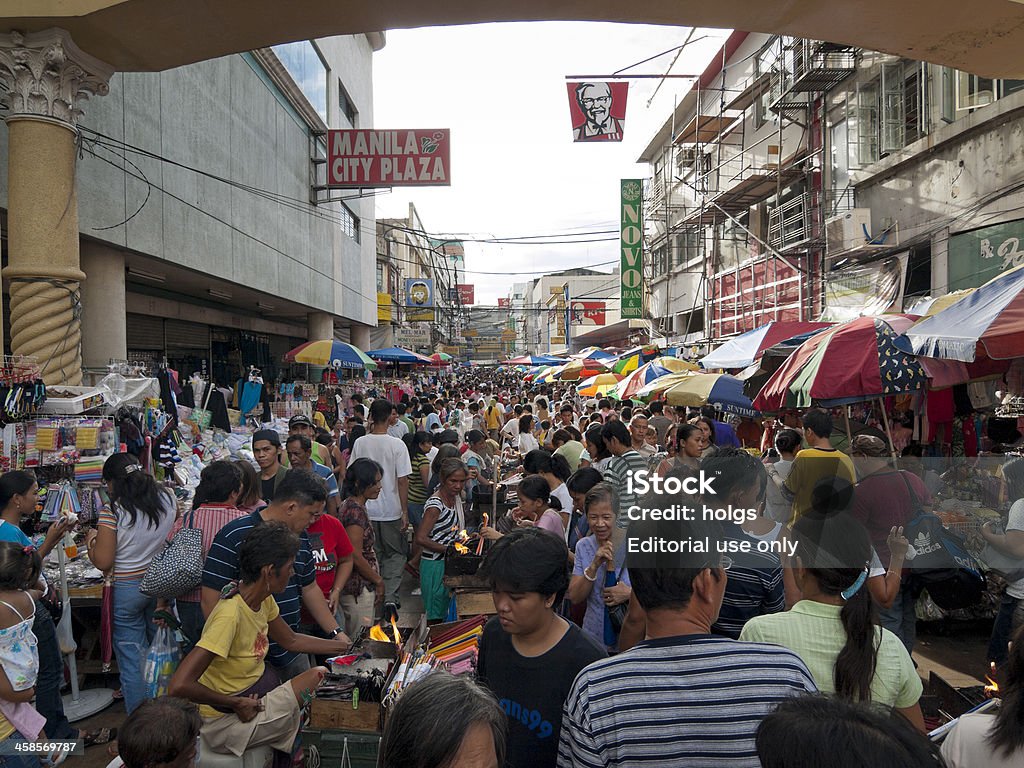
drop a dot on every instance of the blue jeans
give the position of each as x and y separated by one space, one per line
133 634
19 761
51 677
1001 630
901 617
192 622
415 515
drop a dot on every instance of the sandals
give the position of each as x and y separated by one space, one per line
99 736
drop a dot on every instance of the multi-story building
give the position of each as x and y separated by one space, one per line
207 235
799 179
560 310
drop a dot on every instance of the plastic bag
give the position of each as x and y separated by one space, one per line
162 660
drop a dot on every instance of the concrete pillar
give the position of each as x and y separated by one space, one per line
46 77
320 326
360 336
104 317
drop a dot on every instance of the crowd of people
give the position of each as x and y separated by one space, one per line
597 656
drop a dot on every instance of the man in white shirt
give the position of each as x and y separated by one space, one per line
397 427
388 513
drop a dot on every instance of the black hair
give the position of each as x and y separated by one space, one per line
594 435
814 730
1007 734
360 475
566 408
357 431
525 423
627 414
528 560
788 441
303 441
542 403
475 436
536 488
271 543
448 437
560 437
323 437
835 550
656 407
249 489
302 487
539 461
732 469
414 440
573 433
380 410
616 429
136 491
819 422
582 480
20 566
711 426
603 403
683 432
1013 474
401 408
158 732
428 724
15 483
217 482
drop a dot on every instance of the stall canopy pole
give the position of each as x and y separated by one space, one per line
846 419
888 431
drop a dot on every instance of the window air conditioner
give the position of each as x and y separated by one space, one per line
849 231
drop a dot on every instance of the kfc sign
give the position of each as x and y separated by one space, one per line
588 313
597 110
403 158
467 294
504 303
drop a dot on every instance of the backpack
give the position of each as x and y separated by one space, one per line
943 565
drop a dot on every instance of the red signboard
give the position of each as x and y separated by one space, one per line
588 313
597 109
504 303
466 294
404 158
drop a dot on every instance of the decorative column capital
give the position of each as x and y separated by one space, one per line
46 75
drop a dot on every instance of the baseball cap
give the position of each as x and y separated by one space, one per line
267 434
299 420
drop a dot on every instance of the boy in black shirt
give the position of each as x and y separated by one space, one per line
529 655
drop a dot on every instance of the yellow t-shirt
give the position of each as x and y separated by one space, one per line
495 417
237 637
810 466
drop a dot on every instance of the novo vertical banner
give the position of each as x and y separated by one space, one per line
631 236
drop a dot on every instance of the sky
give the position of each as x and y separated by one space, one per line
515 170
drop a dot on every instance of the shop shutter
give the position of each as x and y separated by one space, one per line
185 335
145 333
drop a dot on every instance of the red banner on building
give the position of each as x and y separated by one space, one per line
403 158
588 313
598 110
467 294
504 303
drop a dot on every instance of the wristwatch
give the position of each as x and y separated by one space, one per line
337 631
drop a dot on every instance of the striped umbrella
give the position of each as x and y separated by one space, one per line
988 322
598 386
330 353
648 372
719 390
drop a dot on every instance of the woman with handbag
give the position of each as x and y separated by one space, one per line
213 507
599 576
131 533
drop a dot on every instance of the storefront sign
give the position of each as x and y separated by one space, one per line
557 341
977 256
412 337
872 289
467 294
508 335
383 307
632 265
597 109
588 313
469 333
403 158
419 299
504 303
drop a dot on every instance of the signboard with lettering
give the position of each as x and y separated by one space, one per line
631 283
588 313
467 294
508 335
402 158
419 299
383 307
977 256
412 337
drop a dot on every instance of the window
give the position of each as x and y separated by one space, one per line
893 115
381 288
862 125
915 112
349 222
308 70
948 95
346 109
973 91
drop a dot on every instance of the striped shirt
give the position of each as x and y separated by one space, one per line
450 520
209 518
619 470
693 701
417 490
222 567
754 588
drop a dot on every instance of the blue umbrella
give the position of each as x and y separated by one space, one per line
397 355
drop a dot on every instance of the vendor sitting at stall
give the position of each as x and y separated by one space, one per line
242 703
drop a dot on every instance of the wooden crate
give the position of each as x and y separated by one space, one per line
339 715
473 603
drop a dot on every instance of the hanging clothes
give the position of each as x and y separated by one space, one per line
218 411
252 394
